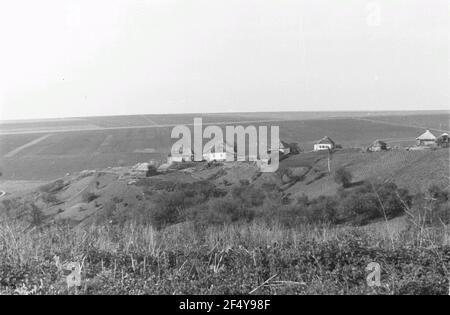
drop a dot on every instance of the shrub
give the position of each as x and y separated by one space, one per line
360 208
248 195
151 171
89 196
225 211
36 215
343 177
169 209
49 198
394 200
52 187
432 207
323 210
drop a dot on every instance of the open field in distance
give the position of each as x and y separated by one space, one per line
25 154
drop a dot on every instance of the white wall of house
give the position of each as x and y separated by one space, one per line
426 142
323 146
179 159
216 156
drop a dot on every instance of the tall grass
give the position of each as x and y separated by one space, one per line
234 258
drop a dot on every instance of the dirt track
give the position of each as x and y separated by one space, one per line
58 130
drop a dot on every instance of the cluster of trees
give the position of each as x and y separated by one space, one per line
359 206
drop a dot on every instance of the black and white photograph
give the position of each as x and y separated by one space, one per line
224 155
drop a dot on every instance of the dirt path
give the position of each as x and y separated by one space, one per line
31 131
26 145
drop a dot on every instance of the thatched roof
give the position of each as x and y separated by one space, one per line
427 135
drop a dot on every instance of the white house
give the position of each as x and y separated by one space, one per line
181 157
324 144
140 168
218 153
426 139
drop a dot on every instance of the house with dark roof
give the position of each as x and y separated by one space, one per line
326 143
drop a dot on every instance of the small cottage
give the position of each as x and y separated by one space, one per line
283 148
377 146
182 156
143 169
218 153
324 144
426 139
140 168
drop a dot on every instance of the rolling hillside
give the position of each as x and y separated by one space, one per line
80 196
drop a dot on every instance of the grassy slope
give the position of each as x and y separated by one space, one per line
414 170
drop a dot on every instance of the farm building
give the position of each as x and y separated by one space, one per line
426 139
443 140
181 156
141 169
283 148
377 145
218 153
324 144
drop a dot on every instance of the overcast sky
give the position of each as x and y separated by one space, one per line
67 58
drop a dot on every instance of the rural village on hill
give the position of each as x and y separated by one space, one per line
425 141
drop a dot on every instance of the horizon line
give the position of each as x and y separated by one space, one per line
224 113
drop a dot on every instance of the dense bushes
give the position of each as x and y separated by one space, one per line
151 171
204 203
240 204
371 201
357 206
176 205
431 207
343 177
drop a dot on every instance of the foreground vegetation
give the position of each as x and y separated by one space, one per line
198 238
229 259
